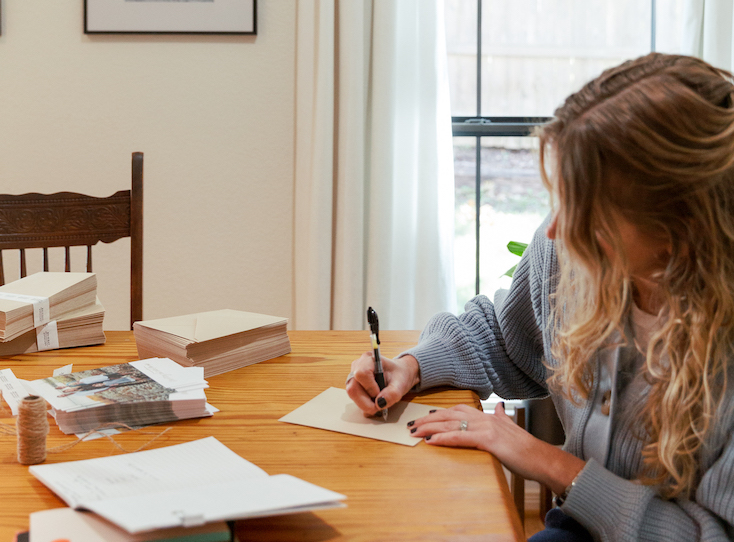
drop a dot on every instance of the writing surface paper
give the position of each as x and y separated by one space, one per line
333 410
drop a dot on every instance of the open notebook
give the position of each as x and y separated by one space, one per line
186 484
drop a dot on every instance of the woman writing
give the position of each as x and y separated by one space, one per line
622 309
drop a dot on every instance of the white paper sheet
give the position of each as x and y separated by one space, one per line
185 484
13 390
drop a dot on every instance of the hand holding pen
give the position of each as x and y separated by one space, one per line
375 338
375 382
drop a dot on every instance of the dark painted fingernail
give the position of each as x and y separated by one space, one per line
410 423
381 402
428 437
432 411
414 430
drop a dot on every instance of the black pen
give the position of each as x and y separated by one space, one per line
375 337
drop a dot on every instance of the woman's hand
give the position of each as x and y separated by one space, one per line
400 376
499 435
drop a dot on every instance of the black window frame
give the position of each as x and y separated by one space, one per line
480 126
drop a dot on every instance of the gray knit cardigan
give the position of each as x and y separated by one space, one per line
500 347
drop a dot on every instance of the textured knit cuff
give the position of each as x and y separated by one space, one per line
604 503
435 370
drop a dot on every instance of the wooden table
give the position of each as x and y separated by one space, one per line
394 492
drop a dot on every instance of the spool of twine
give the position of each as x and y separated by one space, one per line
32 428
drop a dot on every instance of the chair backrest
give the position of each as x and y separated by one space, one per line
67 219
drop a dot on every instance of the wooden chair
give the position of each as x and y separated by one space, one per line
538 417
67 219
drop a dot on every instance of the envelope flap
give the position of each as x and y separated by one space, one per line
216 324
180 326
205 326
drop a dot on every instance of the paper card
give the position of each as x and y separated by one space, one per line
13 390
334 410
173 375
65 370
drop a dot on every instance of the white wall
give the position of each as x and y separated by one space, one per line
214 116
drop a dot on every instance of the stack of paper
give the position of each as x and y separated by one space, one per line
136 393
78 526
34 300
186 484
81 327
219 341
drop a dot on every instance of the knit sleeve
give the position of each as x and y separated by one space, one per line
494 349
619 510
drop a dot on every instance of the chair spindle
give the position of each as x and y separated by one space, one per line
22 263
89 258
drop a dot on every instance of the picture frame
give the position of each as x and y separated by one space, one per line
170 17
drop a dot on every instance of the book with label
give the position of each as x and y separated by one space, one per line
138 393
36 299
187 484
220 341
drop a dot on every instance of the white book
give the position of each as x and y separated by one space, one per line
186 484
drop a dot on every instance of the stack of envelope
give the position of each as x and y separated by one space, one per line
219 341
137 393
81 327
50 310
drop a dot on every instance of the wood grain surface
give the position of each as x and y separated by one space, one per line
394 492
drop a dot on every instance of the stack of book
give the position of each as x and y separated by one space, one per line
219 341
50 310
133 394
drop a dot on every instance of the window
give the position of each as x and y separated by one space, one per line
510 65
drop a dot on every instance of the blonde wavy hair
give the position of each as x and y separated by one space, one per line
651 140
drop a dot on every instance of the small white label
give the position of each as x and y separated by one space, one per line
65 370
47 337
13 390
41 306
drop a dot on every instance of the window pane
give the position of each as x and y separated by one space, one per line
461 45
537 52
465 218
513 204
668 26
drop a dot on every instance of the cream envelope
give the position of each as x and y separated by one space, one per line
334 410
205 326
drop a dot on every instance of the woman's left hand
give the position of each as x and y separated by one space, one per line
499 435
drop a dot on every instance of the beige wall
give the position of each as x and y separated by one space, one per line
214 116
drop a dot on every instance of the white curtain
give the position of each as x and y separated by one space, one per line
707 31
374 197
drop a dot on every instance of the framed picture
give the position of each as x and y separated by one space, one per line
170 17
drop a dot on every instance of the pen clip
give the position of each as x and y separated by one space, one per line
374 323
